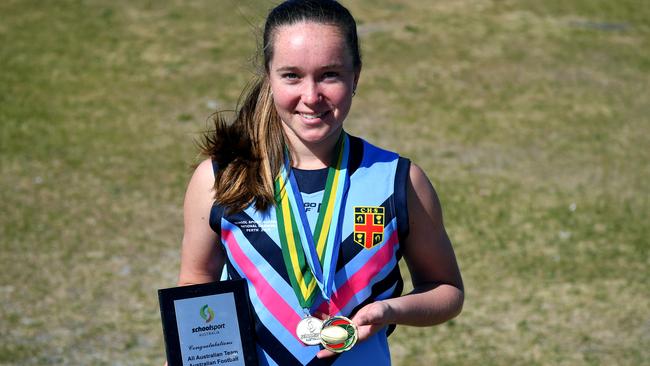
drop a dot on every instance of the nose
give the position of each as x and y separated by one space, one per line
311 93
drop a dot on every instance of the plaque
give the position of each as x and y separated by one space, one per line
208 324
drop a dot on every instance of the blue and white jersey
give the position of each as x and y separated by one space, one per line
375 218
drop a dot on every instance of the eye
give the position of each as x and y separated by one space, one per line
331 75
289 76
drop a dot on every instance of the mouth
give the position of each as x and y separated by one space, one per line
313 116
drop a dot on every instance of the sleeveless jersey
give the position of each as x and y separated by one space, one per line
375 218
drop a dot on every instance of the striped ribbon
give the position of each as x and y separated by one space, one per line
311 258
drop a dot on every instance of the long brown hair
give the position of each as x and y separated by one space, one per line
250 150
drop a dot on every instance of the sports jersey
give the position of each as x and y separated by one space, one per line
375 219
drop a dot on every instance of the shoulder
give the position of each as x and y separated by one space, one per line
204 174
422 197
418 177
201 184
205 170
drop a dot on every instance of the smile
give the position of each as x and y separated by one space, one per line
312 115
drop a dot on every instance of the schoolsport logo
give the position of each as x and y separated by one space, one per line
206 313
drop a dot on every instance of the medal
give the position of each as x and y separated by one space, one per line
339 334
310 258
308 330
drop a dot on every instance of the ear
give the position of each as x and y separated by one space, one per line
357 74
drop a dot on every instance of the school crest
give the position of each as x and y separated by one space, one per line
368 226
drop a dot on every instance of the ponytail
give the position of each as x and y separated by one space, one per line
249 151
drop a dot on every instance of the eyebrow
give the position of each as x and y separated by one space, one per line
286 68
294 68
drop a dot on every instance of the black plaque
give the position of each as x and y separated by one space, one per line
208 324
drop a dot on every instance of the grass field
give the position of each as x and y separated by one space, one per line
531 118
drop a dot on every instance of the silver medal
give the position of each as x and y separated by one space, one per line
308 330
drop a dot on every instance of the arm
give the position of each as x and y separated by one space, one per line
438 288
201 256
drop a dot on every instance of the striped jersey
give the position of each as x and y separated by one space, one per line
375 219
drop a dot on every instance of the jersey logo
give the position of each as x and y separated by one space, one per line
368 226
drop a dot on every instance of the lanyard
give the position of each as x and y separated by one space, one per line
311 258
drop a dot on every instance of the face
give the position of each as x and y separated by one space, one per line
312 78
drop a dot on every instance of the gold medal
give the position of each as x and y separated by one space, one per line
338 334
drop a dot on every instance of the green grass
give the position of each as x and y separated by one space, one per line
530 117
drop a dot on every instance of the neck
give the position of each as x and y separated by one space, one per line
313 155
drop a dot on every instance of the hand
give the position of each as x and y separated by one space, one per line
369 320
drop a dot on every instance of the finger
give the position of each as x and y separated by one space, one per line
324 353
369 313
366 331
366 318
320 315
361 319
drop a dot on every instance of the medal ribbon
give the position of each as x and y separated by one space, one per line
309 256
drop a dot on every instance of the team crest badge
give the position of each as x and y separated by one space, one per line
368 226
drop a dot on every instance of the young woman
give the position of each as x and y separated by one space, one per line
314 219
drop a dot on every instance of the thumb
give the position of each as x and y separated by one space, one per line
373 313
